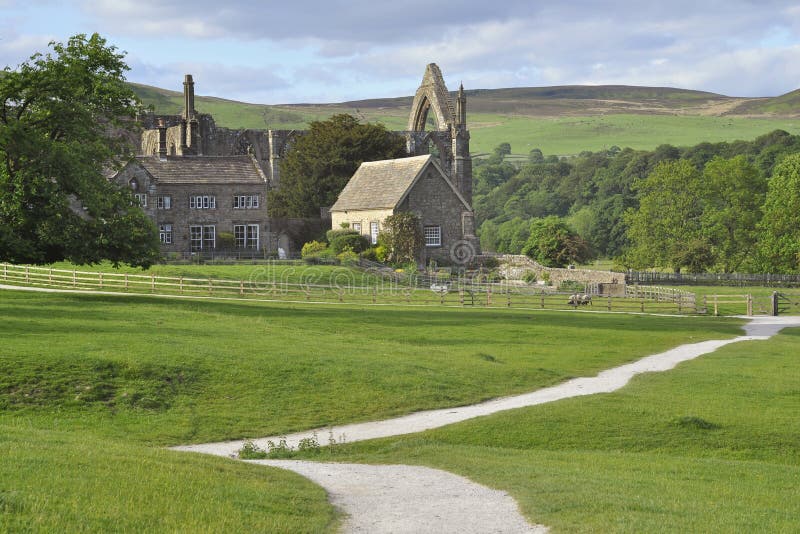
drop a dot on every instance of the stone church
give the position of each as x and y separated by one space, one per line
198 181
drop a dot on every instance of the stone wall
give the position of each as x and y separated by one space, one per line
514 267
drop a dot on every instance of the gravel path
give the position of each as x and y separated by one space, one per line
409 499
401 498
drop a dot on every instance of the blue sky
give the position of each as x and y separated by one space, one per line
331 51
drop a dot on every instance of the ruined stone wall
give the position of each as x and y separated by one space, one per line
514 267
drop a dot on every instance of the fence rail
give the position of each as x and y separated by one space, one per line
502 295
712 279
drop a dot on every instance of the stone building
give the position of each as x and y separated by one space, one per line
194 200
418 185
187 156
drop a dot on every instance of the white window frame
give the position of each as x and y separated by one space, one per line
165 233
202 202
245 201
246 236
432 235
164 202
374 229
356 226
141 198
202 237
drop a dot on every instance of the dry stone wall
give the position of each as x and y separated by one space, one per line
515 267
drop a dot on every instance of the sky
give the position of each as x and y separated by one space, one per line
333 50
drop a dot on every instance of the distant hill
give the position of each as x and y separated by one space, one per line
559 119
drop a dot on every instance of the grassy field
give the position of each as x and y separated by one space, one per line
572 135
713 446
89 384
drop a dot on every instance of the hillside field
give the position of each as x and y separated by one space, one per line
557 120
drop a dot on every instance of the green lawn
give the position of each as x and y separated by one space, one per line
89 384
713 446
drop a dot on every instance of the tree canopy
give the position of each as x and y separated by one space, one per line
322 161
779 245
65 118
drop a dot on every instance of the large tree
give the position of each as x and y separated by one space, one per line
320 163
64 119
733 191
779 246
554 244
666 230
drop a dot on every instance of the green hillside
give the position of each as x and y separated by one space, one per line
558 120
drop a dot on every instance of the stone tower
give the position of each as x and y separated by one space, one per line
451 136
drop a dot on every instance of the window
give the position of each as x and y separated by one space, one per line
202 237
357 227
245 201
246 235
164 202
202 202
165 233
373 232
433 236
141 198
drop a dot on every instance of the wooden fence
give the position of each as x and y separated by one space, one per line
502 295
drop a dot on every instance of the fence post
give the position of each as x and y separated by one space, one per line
100 279
609 303
241 287
27 275
375 294
542 300
74 279
210 287
716 307
153 282
180 285
705 303
774 299
678 299
508 294
489 295
749 304
50 276
461 295
5 271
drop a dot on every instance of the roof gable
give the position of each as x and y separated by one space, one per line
385 184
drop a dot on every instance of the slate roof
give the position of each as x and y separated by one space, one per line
380 184
203 170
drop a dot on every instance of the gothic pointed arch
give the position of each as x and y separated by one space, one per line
432 95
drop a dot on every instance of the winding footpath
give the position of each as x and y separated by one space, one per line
410 499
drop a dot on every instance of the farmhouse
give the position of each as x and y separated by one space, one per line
198 181
417 185
194 200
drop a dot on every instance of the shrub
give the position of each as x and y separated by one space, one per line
341 240
347 257
312 248
529 277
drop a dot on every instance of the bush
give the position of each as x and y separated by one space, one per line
344 239
529 277
312 248
347 257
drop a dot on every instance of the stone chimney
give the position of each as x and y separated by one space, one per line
162 139
188 98
184 146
